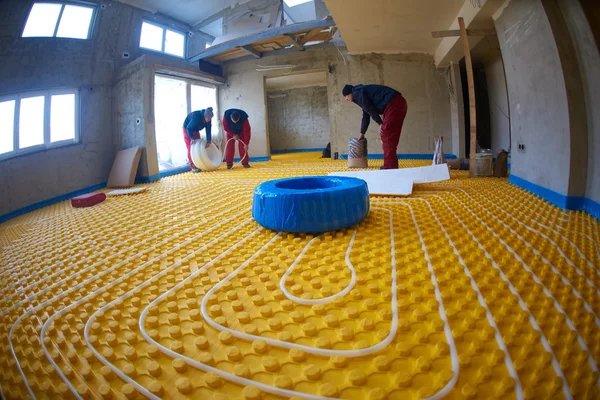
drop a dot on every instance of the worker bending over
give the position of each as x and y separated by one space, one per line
237 127
192 126
376 100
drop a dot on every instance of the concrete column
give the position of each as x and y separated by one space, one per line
457 110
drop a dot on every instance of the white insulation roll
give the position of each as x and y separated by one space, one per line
207 159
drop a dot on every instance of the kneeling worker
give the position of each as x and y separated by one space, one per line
376 100
237 126
192 126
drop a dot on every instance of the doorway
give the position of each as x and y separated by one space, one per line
174 99
298 112
491 98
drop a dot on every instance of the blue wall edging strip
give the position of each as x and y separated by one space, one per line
315 150
54 200
559 200
403 156
254 159
573 203
591 207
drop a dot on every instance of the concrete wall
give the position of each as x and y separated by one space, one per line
588 58
91 66
542 96
457 110
128 118
498 99
300 120
413 75
45 63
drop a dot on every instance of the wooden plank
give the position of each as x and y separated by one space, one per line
294 43
310 35
251 51
470 32
266 34
320 37
472 104
332 32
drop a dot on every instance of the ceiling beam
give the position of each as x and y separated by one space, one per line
208 20
457 33
294 42
251 51
295 29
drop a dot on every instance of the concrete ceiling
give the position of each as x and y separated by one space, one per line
392 26
191 12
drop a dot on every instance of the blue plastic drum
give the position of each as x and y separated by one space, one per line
311 204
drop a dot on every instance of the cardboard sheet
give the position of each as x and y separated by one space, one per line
124 168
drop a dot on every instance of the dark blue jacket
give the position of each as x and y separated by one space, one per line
372 99
195 122
235 127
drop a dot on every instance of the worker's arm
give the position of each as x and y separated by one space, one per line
246 129
364 125
369 110
226 125
208 127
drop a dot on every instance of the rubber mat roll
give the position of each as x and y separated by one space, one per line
311 204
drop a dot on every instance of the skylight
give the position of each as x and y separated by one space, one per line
59 20
293 3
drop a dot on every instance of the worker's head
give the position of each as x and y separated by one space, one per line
347 92
235 117
208 114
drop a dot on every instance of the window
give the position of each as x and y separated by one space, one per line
7 126
31 122
63 20
292 3
157 38
34 121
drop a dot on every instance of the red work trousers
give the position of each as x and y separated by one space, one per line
230 149
188 144
393 119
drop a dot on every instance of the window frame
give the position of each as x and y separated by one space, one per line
47 145
164 39
87 4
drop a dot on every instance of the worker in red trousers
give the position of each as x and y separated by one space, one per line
192 126
237 127
377 100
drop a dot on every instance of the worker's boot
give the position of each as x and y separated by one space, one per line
246 165
229 166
